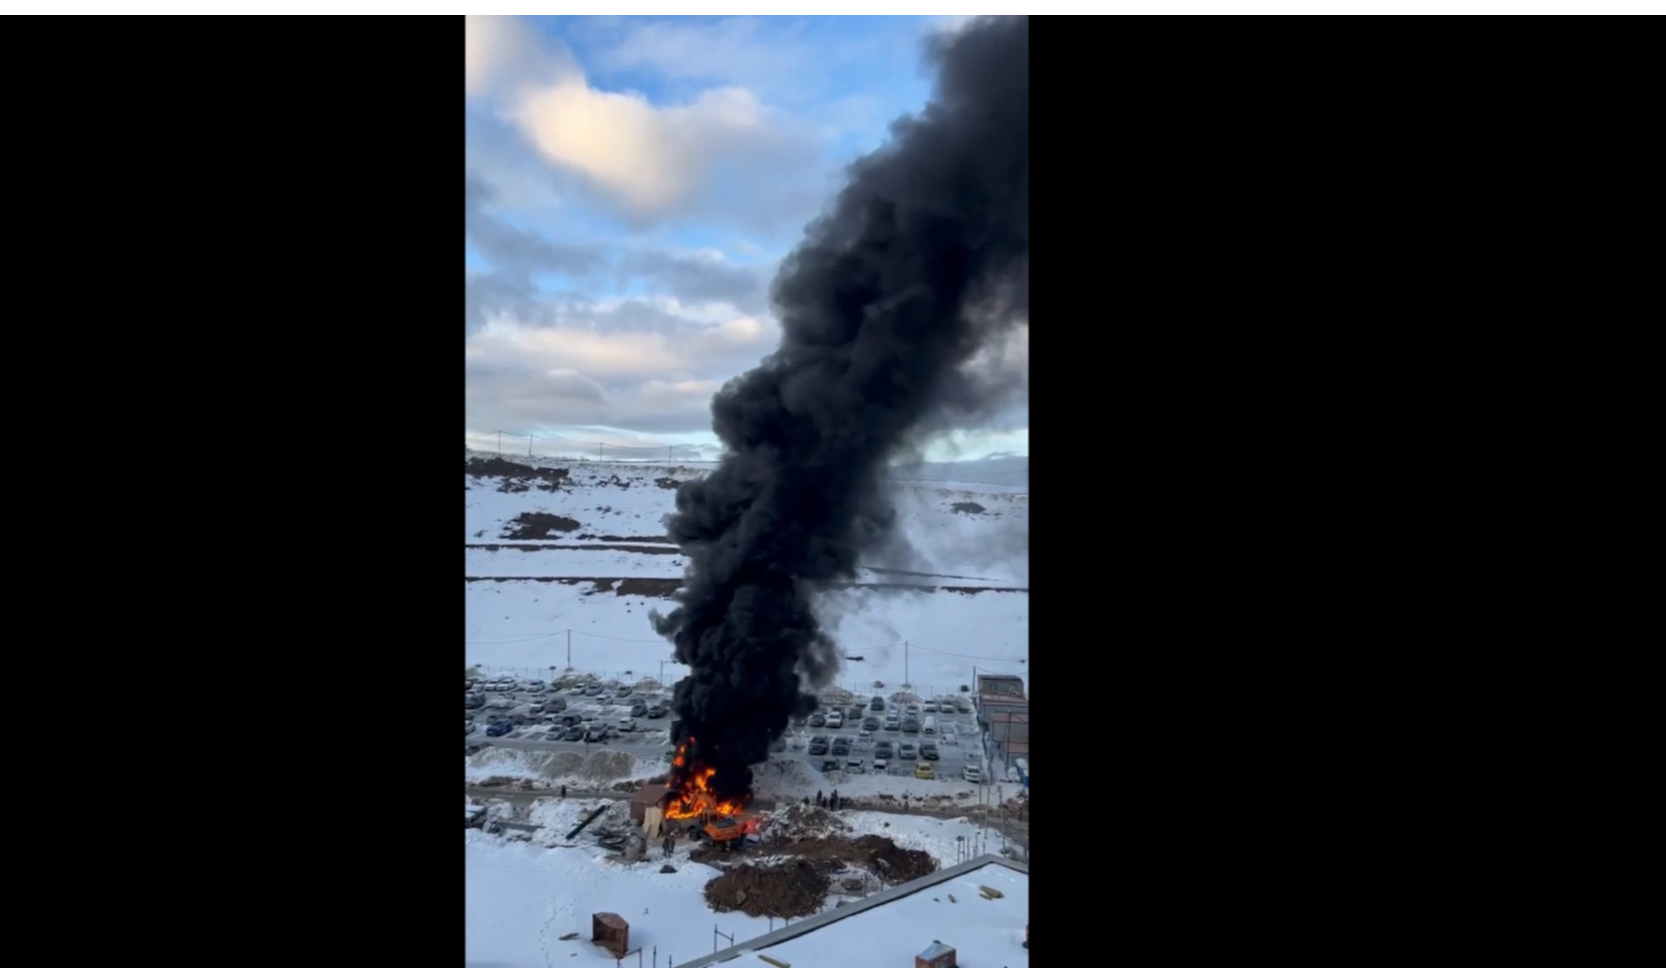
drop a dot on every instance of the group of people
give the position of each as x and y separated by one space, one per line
825 801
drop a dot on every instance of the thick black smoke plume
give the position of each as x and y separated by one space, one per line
923 257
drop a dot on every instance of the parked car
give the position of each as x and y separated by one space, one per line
878 705
536 686
474 700
835 720
639 709
871 724
498 729
923 772
882 750
554 704
911 725
573 734
973 773
841 746
828 766
853 766
625 725
908 751
818 720
656 711
596 733
818 746
892 723
929 706
928 751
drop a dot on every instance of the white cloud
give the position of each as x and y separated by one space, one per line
652 159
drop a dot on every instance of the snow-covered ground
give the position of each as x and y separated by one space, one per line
953 528
523 625
591 770
520 898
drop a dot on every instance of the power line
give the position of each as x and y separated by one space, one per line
957 655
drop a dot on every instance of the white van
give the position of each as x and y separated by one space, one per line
929 727
626 725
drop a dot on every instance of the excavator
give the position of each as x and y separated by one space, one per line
724 833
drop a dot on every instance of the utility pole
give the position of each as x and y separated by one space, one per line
569 648
529 439
500 443
600 449
905 679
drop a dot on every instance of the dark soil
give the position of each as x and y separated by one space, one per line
665 587
514 478
533 525
643 539
792 890
649 587
879 855
595 547
967 507
668 483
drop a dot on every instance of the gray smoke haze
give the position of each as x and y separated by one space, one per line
921 262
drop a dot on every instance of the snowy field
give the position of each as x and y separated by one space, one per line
520 897
953 528
525 889
524 625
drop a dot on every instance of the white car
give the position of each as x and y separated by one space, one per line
535 687
835 720
972 773
853 766
930 706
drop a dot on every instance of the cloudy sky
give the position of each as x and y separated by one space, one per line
630 185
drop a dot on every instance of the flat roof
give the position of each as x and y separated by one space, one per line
891 927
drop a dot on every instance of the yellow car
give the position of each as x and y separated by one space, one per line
923 771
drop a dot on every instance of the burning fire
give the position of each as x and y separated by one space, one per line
691 796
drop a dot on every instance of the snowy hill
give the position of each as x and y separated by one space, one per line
564 555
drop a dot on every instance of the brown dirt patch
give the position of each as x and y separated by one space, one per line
649 587
666 587
795 889
967 507
670 550
641 539
532 525
668 483
880 855
515 478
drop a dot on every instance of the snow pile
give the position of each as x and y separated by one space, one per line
785 778
801 820
915 832
558 768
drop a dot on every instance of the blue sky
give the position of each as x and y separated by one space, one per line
631 184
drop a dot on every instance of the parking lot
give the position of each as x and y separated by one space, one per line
650 739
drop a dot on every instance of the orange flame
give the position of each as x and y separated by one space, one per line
691 795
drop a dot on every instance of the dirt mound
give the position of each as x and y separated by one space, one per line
894 863
802 820
792 890
967 507
648 587
515 478
532 525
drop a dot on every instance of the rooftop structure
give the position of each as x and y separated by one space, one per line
1000 685
894 927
